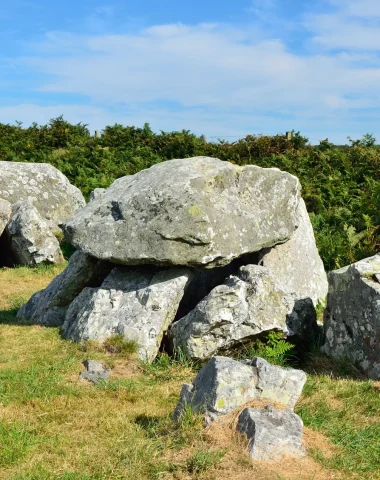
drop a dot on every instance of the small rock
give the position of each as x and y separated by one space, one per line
224 384
272 433
282 385
95 372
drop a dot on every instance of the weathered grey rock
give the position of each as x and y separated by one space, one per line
97 193
5 214
352 316
243 307
297 263
31 240
139 304
272 433
95 372
195 212
43 186
48 307
282 385
224 384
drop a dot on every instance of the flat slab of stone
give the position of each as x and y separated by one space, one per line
297 263
31 241
199 212
225 384
273 433
48 307
246 305
138 304
42 185
352 316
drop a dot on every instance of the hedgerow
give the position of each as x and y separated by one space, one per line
341 184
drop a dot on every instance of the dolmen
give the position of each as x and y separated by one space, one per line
199 253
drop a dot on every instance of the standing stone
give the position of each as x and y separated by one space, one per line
139 304
195 212
5 214
352 316
31 240
224 384
272 433
48 307
243 307
297 263
42 185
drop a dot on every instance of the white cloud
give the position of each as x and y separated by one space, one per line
209 66
214 78
353 25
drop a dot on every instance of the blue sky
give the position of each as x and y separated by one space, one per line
220 68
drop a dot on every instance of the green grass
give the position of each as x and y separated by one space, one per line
348 412
53 426
118 344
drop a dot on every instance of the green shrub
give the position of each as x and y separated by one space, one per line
341 184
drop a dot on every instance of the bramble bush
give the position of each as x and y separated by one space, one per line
341 184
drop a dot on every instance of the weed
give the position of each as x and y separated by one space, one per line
203 460
274 349
119 345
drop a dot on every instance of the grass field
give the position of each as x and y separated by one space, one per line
52 426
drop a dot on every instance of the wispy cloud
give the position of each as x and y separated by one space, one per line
352 25
217 78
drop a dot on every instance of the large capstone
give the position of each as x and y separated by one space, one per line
246 305
272 433
137 303
224 384
352 316
31 241
43 186
194 212
297 263
48 307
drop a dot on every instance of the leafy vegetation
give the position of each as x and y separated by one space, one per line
341 185
274 349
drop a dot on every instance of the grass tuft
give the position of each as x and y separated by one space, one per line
119 345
